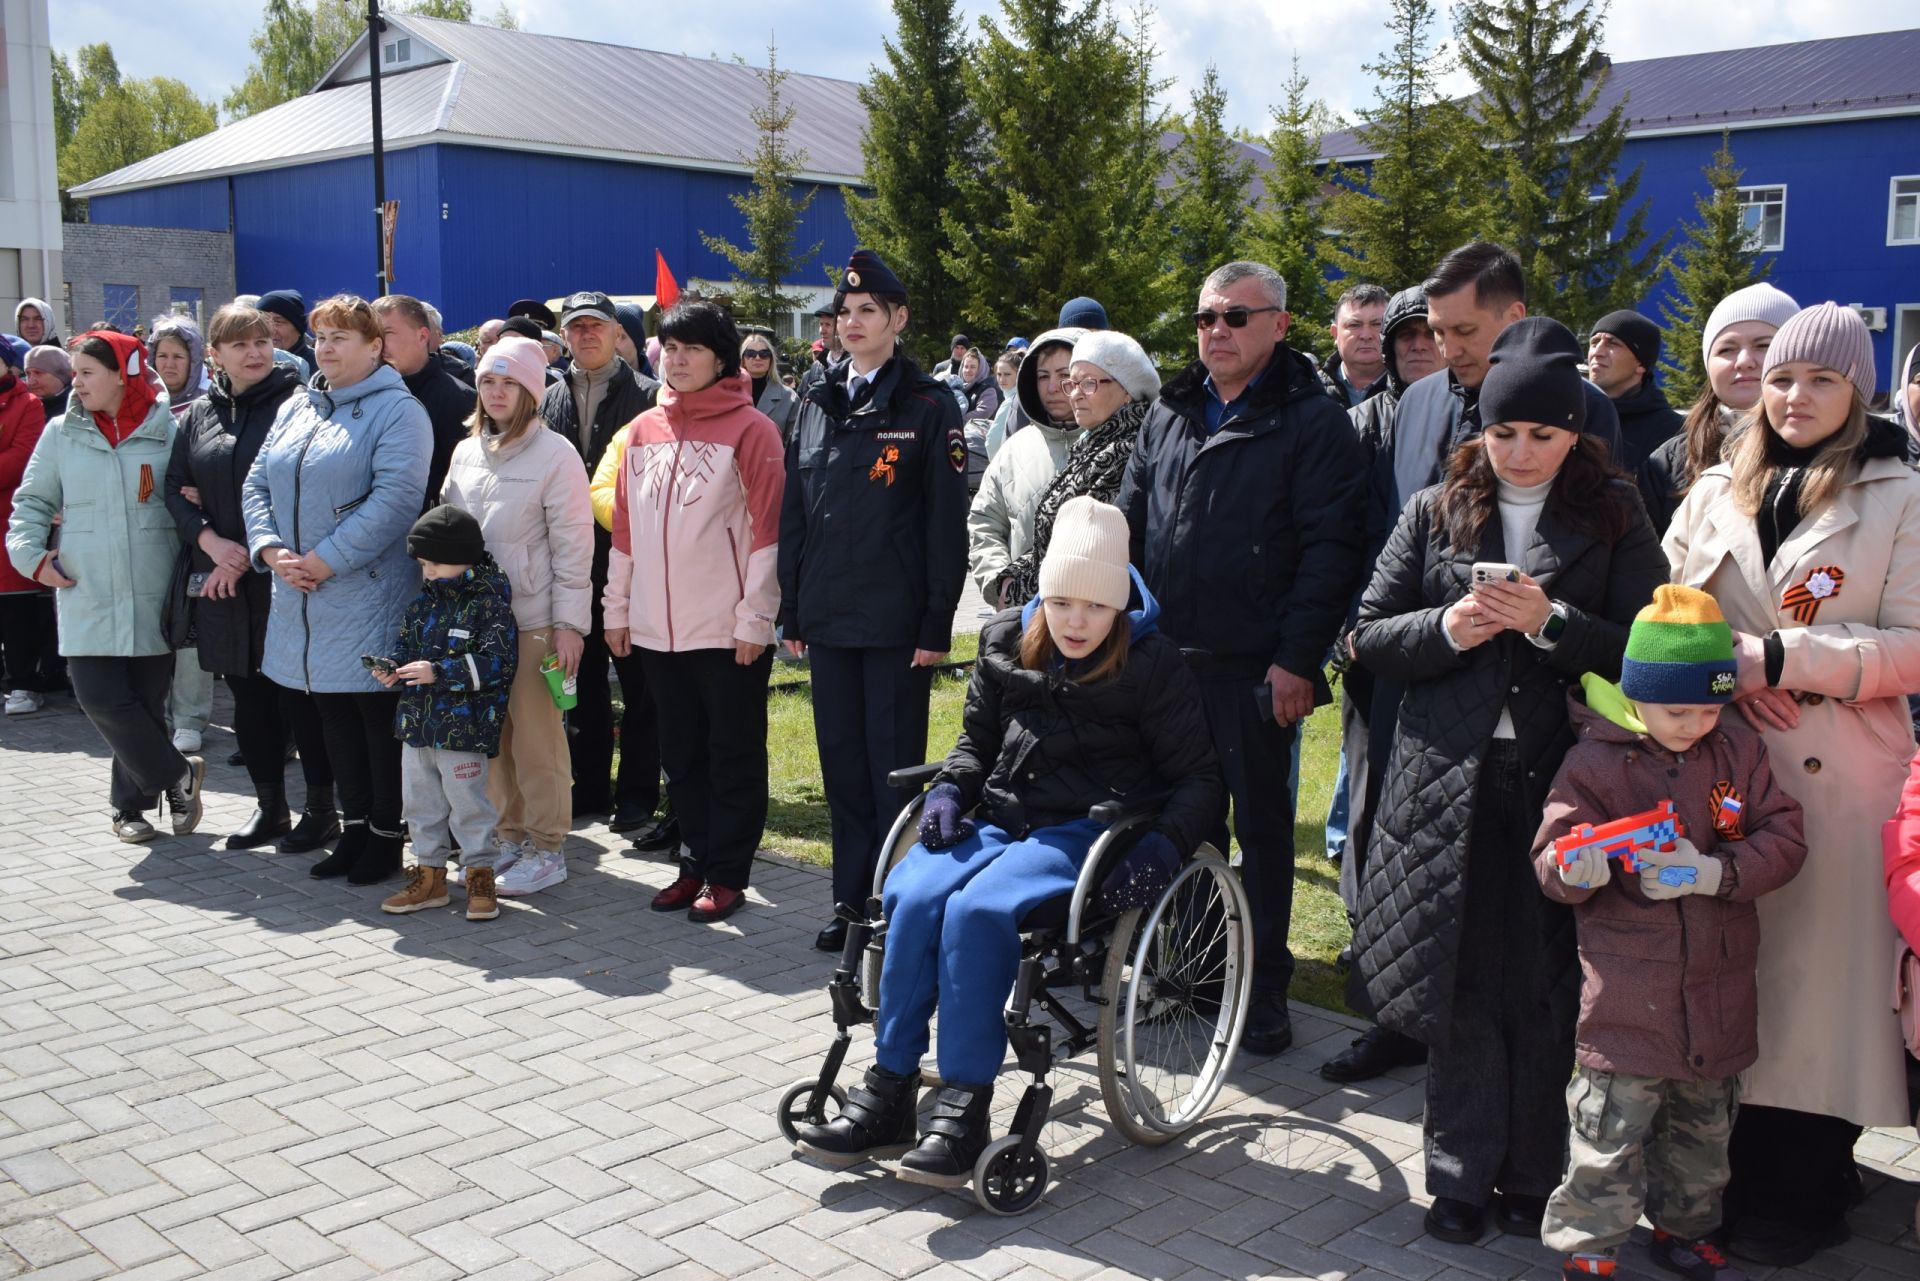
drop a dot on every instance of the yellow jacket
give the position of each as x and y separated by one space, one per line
600 491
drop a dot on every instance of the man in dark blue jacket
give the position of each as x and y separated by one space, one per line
1244 500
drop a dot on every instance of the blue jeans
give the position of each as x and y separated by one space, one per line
1337 813
953 937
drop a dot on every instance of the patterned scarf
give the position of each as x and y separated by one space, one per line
1094 466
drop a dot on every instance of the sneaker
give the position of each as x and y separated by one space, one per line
24 702
530 874
1696 1260
184 802
426 887
132 827
483 903
186 741
1586 1267
505 855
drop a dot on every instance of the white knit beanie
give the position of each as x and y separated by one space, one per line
1120 358
1087 558
1755 302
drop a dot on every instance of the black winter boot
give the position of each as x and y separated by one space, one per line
379 860
875 1122
269 821
346 852
318 824
952 1139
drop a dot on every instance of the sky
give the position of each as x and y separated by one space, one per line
204 42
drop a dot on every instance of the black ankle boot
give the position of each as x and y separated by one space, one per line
875 1122
353 840
269 821
379 858
952 1139
318 824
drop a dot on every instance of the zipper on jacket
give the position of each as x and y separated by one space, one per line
306 625
666 521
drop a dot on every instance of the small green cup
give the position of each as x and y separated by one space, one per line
564 688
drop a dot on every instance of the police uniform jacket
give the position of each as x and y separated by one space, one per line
873 532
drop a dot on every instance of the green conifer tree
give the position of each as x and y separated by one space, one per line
1716 258
1288 230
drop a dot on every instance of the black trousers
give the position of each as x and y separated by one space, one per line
365 754
26 631
869 718
1256 758
1792 1169
264 714
126 699
590 723
1496 1110
713 734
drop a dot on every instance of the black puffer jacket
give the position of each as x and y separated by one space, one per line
1373 417
1413 899
1037 749
212 450
873 530
1647 422
1250 537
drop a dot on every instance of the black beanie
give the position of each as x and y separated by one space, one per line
1641 336
447 536
1535 377
287 304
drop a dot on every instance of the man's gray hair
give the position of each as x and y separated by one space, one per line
1361 296
435 322
1270 280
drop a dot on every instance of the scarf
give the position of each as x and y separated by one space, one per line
142 389
1094 466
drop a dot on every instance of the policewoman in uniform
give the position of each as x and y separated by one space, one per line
873 556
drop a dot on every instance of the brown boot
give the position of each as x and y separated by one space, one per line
426 887
482 904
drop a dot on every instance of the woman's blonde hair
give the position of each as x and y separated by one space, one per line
348 311
526 412
1038 652
236 321
1754 453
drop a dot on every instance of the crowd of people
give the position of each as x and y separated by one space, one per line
420 567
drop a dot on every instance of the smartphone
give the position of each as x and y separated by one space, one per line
197 584
1494 571
377 665
1263 700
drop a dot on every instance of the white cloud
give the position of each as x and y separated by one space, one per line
1253 45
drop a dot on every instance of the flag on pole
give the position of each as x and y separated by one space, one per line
665 287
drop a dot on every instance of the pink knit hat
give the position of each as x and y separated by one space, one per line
521 359
1831 336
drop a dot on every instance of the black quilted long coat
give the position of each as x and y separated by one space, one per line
1414 897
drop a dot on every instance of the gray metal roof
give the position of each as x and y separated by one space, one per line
1875 74
593 99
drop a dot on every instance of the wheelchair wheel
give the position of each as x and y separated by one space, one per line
1005 1182
1178 979
796 1107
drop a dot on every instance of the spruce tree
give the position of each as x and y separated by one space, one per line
1288 230
1059 198
919 131
1716 258
770 257
1424 193
1539 70
1207 207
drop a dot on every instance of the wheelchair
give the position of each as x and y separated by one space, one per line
1170 983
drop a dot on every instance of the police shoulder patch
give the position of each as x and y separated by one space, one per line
957 448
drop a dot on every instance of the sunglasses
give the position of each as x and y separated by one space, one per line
1236 317
756 353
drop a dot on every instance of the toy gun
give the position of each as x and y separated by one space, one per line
1624 838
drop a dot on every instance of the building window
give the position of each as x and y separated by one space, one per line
120 306
1764 210
1903 212
399 50
185 302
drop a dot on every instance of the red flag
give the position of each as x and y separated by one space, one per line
665 287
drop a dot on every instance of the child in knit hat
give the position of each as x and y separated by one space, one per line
1668 942
455 659
1075 700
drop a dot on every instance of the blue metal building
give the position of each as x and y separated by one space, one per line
524 166
1828 133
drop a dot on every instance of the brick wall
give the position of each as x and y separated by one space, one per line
145 265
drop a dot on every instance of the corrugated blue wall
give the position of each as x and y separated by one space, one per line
193 206
1836 176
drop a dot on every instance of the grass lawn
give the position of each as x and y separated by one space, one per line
797 812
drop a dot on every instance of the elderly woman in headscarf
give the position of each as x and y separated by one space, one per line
180 359
33 321
1111 383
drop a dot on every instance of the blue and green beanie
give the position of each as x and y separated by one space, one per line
1679 650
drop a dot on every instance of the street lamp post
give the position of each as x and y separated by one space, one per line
374 27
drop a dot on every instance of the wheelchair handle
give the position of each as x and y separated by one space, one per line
915 776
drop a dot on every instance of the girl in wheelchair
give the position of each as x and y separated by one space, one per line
1075 700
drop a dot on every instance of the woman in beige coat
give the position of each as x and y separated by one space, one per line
1809 537
525 487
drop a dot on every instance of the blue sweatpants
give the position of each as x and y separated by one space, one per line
953 936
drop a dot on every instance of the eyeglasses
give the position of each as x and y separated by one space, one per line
1084 386
1236 317
756 353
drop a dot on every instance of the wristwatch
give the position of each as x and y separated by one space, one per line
1553 629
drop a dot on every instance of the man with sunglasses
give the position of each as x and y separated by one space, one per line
1243 499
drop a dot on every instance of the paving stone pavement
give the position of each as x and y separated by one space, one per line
211 1064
